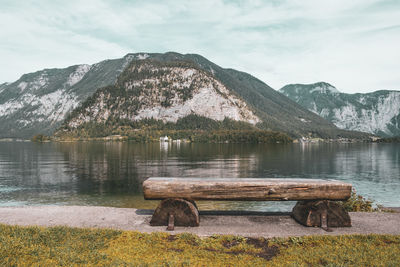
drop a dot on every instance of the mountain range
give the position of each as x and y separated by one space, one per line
38 102
166 87
377 113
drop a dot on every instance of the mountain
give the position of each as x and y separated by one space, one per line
166 87
171 86
38 102
376 113
166 91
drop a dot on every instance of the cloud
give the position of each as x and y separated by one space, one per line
352 45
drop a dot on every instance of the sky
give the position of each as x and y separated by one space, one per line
353 45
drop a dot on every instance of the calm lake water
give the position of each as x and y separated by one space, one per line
111 173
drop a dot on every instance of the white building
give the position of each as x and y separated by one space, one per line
164 139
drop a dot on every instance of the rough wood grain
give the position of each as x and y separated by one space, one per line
257 189
183 211
310 213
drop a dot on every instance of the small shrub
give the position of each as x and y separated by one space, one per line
359 203
40 138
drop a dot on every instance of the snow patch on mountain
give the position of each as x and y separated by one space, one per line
304 120
188 73
325 113
78 74
314 107
142 56
362 100
38 83
212 71
52 107
325 89
12 106
22 85
32 85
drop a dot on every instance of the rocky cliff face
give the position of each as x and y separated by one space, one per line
163 91
376 113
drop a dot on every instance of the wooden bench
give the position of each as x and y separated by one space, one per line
316 198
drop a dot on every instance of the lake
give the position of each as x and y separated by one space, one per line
111 173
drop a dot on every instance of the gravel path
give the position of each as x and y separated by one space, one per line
244 224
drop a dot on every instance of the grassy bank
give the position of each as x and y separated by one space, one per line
27 246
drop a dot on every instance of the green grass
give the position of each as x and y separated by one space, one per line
62 246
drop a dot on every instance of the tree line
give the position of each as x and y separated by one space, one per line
193 128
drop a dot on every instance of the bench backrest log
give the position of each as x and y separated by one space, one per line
255 189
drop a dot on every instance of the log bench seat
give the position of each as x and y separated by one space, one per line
317 199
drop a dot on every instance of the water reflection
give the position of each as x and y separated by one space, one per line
111 174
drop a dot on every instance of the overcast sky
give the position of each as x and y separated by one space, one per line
354 45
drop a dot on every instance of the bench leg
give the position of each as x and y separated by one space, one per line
321 213
171 223
184 213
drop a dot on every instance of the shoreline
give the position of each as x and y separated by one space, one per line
126 140
261 224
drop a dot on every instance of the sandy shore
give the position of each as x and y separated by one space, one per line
245 224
